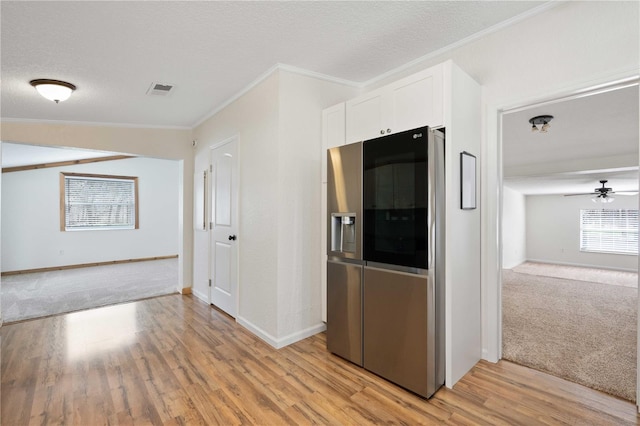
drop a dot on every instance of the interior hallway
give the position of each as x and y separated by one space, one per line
176 360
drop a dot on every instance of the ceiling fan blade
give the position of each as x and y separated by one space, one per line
625 193
582 193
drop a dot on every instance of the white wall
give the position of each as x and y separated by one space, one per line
174 144
31 217
279 125
514 225
302 100
254 118
553 231
463 332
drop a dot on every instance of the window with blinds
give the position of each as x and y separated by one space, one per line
97 202
609 231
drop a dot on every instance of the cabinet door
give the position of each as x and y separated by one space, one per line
417 101
365 116
333 132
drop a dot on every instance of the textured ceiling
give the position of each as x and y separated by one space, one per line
210 51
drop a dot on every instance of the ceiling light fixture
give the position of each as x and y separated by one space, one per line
54 90
603 198
540 120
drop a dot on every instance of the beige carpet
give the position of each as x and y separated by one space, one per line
582 331
595 275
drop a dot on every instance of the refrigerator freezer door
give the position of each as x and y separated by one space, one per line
398 343
344 310
344 201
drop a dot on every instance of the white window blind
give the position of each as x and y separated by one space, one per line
92 202
609 231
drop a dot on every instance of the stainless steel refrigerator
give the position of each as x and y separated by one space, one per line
385 267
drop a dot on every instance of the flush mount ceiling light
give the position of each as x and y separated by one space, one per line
542 121
54 90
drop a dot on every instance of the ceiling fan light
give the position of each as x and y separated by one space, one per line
603 198
534 128
54 90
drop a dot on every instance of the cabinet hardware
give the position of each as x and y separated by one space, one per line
388 130
382 132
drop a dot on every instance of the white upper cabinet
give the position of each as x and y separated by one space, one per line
333 132
366 116
414 101
417 100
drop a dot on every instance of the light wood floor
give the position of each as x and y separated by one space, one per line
175 360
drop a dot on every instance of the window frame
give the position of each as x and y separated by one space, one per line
584 228
63 204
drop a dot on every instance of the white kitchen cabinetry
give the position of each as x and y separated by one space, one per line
414 101
333 134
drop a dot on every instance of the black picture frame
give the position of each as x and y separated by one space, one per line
467 181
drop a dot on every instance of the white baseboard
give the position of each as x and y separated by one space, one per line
257 331
553 262
301 335
283 341
199 295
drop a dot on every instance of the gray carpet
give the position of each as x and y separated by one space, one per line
580 273
582 331
40 294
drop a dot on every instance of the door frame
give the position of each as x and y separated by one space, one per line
492 195
236 217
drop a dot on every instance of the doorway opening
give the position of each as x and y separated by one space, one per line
120 242
566 309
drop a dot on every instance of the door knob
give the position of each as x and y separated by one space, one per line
232 237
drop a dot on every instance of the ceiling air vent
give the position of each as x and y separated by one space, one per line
160 89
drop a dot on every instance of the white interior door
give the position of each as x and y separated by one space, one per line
224 227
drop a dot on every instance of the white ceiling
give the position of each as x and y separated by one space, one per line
591 138
113 51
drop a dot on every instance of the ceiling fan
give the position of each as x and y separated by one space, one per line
604 194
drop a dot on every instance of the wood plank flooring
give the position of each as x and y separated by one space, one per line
174 360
